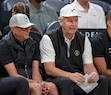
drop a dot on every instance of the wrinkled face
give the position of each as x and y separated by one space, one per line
69 24
21 33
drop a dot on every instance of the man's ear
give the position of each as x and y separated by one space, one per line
12 29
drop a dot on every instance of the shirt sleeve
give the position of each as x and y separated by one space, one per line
87 54
97 47
37 52
5 53
47 50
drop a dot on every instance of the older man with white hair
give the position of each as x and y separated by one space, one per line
67 58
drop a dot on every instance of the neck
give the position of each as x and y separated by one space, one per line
84 4
35 4
109 32
68 36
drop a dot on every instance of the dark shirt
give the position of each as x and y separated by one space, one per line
101 44
13 52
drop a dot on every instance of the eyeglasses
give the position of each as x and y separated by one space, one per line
24 28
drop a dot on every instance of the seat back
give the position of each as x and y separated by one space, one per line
8 4
106 7
55 5
53 26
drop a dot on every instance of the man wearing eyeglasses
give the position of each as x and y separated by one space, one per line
19 55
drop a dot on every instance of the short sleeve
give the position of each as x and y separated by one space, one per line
47 50
97 47
87 54
5 53
37 52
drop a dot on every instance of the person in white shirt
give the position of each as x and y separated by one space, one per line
66 56
92 15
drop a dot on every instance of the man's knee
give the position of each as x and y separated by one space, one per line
66 82
103 81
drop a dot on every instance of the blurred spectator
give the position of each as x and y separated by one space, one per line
41 15
22 56
92 15
21 7
67 56
102 51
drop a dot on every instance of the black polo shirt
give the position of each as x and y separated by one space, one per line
6 55
101 44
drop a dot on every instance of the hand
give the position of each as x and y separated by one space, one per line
78 78
93 77
45 89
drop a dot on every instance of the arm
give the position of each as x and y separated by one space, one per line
92 72
11 69
52 70
35 71
88 62
101 66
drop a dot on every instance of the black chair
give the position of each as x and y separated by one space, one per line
55 4
106 6
53 26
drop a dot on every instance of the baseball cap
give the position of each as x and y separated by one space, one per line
68 11
20 20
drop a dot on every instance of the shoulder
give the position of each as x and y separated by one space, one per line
80 35
49 9
100 35
4 45
45 37
98 38
95 6
45 41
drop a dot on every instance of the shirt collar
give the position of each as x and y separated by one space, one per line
34 9
80 8
67 40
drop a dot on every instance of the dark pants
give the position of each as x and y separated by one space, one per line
14 86
109 85
67 87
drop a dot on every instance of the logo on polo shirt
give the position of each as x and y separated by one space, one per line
77 53
72 10
109 49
